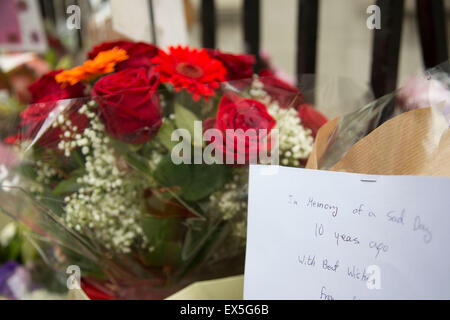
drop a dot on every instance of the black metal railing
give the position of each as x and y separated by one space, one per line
386 41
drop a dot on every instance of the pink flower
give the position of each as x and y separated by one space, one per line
420 92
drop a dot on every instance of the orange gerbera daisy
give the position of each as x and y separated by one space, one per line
103 63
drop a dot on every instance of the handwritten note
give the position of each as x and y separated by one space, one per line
330 235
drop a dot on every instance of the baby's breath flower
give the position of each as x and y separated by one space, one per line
295 141
231 200
105 206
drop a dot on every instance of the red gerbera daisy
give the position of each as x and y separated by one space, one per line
190 69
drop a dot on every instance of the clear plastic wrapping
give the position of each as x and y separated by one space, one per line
376 140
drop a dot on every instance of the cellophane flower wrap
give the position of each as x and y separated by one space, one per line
409 149
134 165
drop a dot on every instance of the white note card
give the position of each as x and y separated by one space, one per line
330 235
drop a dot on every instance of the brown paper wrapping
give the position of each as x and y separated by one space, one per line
414 143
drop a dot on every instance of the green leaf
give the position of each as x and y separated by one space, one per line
165 134
120 146
195 181
201 241
27 171
185 119
50 57
66 187
206 180
69 185
77 158
166 254
130 154
66 62
78 172
52 203
138 161
161 234
157 229
169 174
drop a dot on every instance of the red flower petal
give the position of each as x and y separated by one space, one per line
311 118
240 115
190 69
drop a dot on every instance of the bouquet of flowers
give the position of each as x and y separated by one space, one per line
134 166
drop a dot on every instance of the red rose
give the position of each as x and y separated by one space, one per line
238 66
237 113
45 94
286 94
46 89
129 104
140 53
311 118
104 46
